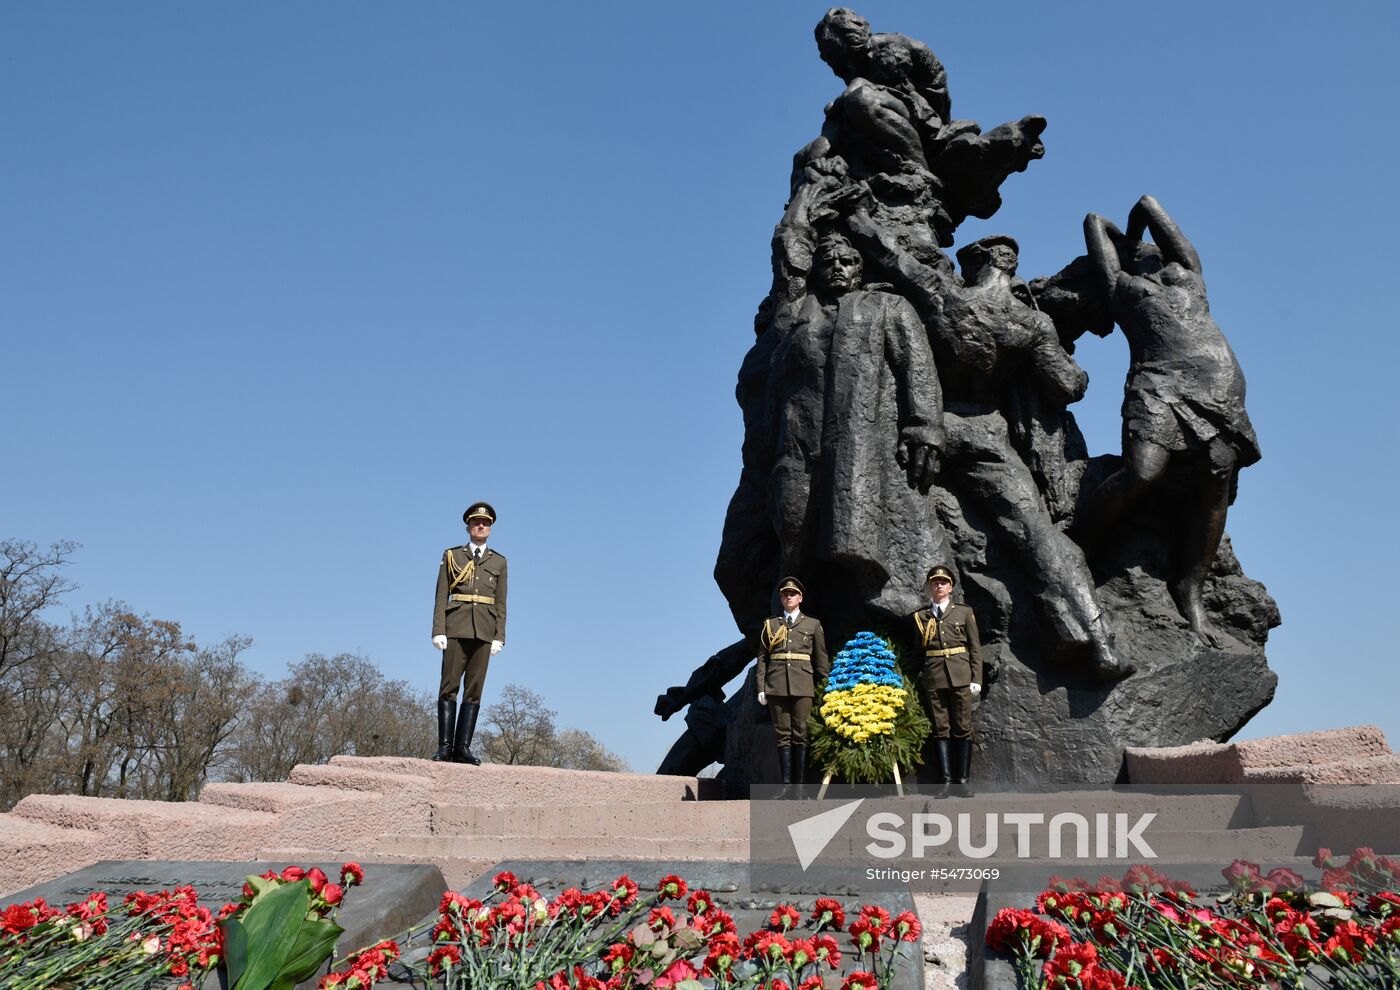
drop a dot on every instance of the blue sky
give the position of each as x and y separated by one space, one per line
283 287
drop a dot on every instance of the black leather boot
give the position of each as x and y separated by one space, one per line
447 721
466 727
963 767
785 771
943 754
799 771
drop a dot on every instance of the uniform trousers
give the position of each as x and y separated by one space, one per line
790 717
951 711
464 662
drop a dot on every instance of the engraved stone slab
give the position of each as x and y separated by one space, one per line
393 896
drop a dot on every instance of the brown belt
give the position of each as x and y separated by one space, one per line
789 656
475 599
951 651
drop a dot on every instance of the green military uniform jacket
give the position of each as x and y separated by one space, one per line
471 597
952 650
792 661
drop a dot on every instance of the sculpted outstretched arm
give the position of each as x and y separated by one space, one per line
1103 254
818 197
1148 213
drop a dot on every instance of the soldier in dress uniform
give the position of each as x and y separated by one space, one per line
951 674
469 626
791 662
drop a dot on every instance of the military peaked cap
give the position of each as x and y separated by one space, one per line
940 570
793 583
482 510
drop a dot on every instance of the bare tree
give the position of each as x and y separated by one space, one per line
327 706
520 730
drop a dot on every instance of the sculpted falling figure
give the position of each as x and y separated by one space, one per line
1183 404
1000 360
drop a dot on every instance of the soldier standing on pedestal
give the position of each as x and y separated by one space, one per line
792 661
469 626
951 675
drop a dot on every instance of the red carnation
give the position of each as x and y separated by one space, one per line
907 927
828 914
700 901
444 956
661 917
861 980
351 874
715 922
785 917
625 891
671 886
865 935
504 880
878 917
724 951
827 950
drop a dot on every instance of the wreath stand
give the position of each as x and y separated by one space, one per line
898 783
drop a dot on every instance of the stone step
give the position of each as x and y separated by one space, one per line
354 777
33 851
675 819
155 829
329 817
437 848
498 784
1227 763
1384 769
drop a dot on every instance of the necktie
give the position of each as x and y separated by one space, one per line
476 552
790 621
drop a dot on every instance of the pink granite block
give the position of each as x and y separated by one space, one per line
1194 763
1327 746
32 852
499 784
155 829
327 817
678 819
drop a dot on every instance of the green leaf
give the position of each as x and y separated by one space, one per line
235 949
313 946
261 885
687 940
1323 899
272 925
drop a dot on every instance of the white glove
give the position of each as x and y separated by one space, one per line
762 698
440 642
496 645
975 688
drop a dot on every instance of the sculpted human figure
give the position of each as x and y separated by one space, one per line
990 346
896 97
893 125
843 428
1183 403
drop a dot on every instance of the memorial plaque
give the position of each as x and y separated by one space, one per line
392 897
728 882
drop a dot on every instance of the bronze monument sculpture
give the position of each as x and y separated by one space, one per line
899 413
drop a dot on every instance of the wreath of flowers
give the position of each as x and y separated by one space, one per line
868 719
